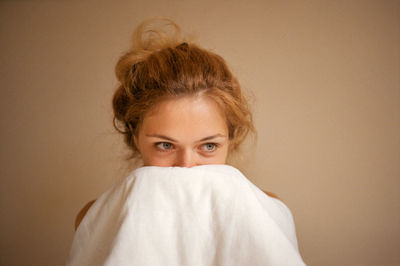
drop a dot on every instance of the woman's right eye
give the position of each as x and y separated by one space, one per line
164 146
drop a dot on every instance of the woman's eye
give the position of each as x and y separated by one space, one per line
164 146
209 147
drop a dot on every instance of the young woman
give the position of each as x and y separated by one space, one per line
178 105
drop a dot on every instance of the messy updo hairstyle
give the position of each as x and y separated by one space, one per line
161 65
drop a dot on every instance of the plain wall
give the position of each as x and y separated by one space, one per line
325 87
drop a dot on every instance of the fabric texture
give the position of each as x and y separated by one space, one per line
204 215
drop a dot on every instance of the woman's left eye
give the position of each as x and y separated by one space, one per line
164 146
209 147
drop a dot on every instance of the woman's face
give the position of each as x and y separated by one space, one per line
184 132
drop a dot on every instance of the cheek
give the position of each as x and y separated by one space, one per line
223 156
153 158
219 158
160 162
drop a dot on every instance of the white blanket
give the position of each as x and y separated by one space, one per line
205 215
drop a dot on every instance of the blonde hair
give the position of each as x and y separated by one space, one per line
161 65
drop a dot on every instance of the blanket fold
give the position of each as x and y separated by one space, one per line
204 215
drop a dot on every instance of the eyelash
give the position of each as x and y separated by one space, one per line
160 146
215 147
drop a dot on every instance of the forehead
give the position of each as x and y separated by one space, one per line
185 117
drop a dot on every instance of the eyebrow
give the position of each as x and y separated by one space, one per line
160 137
173 140
212 137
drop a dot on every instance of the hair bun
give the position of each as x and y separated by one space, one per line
151 35
160 64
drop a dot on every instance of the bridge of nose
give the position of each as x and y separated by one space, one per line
186 158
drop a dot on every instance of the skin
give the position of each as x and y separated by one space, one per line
184 132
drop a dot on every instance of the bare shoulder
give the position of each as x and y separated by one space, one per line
272 195
82 213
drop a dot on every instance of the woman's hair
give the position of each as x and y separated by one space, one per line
159 66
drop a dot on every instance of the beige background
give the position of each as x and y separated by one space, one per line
326 95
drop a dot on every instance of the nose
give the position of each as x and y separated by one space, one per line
186 158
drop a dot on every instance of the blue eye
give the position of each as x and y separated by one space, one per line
209 147
164 146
